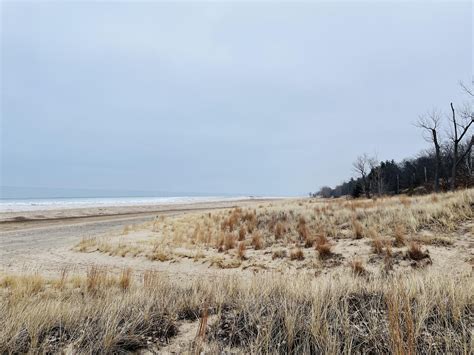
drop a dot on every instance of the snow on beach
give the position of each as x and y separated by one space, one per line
18 205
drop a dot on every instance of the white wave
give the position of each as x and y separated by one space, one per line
70 203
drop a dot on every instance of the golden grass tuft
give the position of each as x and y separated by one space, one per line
229 241
399 235
324 250
125 279
321 239
357 228
241 251
357 267
415 252
160 253
309 241
257 240
297 254
405 201
377 246
242 234
302 229
279 230
86 243
96 279
279 254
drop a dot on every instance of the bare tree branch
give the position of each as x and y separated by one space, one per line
430 124
467 89
457 139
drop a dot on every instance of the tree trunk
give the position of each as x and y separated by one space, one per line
455 165
455 153
438 161
366 187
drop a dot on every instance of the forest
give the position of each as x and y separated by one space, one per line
446 165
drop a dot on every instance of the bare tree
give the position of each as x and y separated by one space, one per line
459 131
467 89
430 123
362 167
375 168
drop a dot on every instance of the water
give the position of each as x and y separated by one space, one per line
36 204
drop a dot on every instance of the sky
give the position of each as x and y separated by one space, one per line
263 98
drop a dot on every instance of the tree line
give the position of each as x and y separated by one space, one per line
446 165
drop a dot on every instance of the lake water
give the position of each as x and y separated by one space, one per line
36 204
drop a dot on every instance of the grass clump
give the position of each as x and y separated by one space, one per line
357 228
324 250
399 235
297 254
358 268
257 240
415 252
279 254
241 251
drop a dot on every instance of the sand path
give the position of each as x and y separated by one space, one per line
44 240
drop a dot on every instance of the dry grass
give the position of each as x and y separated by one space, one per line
324 250
393 308
284 224
297 254
257 240
415 252
125 279
377 246
279 314
242 234
405 201
357 228
279 230
357 266
229 241
160 253
241 251
279 254
399 234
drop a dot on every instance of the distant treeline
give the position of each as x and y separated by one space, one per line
446 166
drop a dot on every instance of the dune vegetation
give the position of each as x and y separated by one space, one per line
312 230
386 275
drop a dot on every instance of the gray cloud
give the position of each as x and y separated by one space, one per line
262 98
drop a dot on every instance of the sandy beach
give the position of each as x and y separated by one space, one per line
42 240
250 254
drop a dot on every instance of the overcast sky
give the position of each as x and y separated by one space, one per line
253 98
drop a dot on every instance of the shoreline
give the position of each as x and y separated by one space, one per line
29 239
65 214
